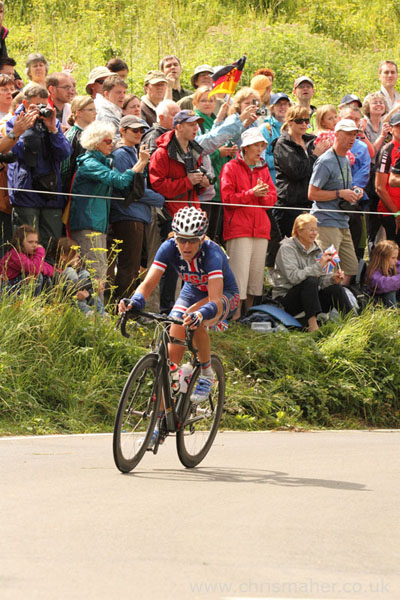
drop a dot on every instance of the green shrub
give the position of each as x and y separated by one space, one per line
338 45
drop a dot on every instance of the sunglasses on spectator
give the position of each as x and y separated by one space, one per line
183 240
137 129
301 121
108 141
100 81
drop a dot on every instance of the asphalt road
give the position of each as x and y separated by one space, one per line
266 515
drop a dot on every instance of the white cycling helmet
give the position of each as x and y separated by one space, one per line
190 222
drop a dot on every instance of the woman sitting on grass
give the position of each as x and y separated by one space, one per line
383 274
25 261
71 274
301 282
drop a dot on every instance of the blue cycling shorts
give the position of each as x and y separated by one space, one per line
190 295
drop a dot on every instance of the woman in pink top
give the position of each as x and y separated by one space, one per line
25 261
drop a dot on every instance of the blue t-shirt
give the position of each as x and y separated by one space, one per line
210 262
327 175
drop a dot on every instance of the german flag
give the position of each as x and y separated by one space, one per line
227 78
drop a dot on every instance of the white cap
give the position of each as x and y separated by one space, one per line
346 125
252 136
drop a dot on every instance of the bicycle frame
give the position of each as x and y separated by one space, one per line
148 388
173 409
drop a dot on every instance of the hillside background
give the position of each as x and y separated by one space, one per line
339 44
61 372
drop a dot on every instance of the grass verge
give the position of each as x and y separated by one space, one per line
62 372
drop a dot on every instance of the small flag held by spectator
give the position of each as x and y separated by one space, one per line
227 78
334 260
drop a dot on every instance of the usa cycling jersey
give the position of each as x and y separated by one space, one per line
210 263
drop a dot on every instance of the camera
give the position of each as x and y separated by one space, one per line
211 178
8 157
357 191
44 111
260 112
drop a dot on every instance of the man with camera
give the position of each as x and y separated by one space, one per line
34 178
175 173
175 165
331 188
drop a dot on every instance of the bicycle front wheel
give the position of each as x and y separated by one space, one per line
201 420
137 414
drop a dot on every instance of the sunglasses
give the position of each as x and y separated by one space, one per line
137 129
301 121
183 240
108 142
100 81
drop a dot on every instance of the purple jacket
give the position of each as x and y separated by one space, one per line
381 284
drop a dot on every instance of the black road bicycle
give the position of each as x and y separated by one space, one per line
194 423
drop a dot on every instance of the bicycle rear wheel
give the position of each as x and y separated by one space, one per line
201 420
137 414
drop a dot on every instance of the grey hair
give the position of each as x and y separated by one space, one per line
366 104
163 108
95 133
34 58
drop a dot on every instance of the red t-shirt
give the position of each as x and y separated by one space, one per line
390 153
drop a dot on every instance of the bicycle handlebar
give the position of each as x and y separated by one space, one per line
134 313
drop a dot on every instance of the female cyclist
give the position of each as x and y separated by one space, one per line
209 294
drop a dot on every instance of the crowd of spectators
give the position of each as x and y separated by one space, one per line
109 169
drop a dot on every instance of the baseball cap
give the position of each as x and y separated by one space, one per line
201 69
155 77
260 83
95 74
186 116
350 98
252 136
133 122
347 125
395 119
278 96
302 79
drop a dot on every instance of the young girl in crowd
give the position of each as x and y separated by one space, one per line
25 261
326 118
72 275
383 275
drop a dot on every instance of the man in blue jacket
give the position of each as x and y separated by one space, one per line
128 222
36 171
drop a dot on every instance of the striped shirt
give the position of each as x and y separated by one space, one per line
209 263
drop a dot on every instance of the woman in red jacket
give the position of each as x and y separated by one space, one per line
246 190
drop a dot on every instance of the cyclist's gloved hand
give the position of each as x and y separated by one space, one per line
125 303
136 302
193 320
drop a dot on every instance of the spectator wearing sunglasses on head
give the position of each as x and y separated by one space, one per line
294 157
92 190
128 222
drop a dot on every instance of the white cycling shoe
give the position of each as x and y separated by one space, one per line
203 389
